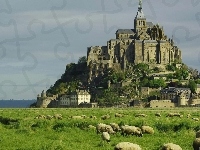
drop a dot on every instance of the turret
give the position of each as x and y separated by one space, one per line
140 20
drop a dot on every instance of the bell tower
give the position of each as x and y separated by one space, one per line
140 20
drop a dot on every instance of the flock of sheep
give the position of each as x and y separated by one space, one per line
106 130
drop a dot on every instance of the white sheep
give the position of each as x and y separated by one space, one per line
58 116
115 127
141 115
188 115
92 127
196 144
127 146
105 136
171 146
76 117
101 127
158 115
49 117
104 117
131 130
195 119
118 115
147 129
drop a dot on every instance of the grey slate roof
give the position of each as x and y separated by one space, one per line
126 31
150 24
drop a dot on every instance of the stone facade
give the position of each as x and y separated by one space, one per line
176 95
162 104
74 99
44 101
146 43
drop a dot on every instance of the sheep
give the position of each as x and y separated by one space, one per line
188 115
147 129
131 130
170 115
141 115
101 127
91 127
58 116
196 144
93 117
198 134
104 117
84 116
127 146
158 115
174 115
49 117
195 119
105 136
118 115
40 117
76 117
171 146
115 127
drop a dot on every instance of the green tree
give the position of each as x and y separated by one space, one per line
82 59
193 86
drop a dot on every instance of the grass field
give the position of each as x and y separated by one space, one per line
20 131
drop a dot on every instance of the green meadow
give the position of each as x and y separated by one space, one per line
19 130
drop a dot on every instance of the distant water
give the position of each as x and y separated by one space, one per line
16 103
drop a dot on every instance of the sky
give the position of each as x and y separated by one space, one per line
39 38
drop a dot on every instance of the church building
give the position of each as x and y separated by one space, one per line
146 43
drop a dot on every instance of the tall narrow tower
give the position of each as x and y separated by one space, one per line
140 20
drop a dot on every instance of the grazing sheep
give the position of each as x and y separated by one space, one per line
104 117
49 117
170 115
91 127
58 116
171 146
195 119
158 115
101 127
147 129
196 144
127 146
188 115
131 130
174 115
76 117
40 117
93 117
141 115
118 115
198 134
84 116
115 127
105 136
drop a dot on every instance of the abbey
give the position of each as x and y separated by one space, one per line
146 43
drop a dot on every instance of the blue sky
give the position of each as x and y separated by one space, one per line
38 38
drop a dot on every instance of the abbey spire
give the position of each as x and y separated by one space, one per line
140 20
140 13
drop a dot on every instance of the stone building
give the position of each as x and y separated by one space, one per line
74 99
145 43
44 101
162 104
176 95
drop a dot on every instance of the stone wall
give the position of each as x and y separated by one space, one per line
162 104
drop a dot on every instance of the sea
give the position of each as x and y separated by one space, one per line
16 103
